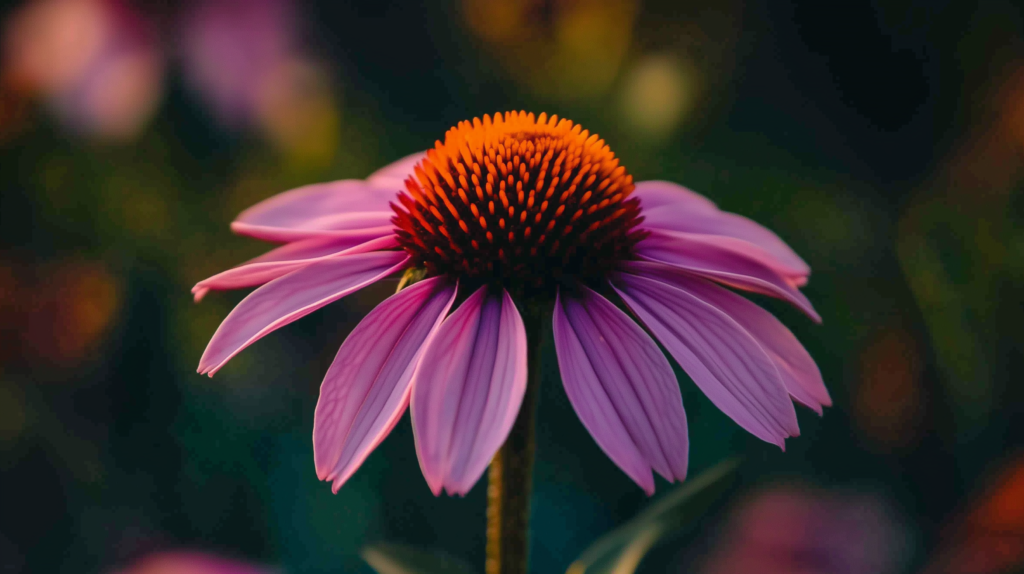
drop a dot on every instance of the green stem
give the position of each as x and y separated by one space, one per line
508 491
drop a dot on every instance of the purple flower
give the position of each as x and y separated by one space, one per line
520 211
794 529
247 62
232 50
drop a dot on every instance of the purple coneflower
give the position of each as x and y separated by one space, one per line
506 216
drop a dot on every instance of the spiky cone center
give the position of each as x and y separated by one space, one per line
522 201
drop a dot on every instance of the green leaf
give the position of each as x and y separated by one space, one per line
621 550
401 559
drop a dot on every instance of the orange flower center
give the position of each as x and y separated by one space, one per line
522 201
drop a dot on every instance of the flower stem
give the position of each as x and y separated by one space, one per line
510 478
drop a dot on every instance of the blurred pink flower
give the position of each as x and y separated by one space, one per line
95 61
232 50
791 530
531 210
190 563
243 58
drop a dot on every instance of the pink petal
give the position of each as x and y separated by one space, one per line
286 259
392 176
734 232
655 194
367 387
281 234
672 207
697 255
721 357
798 370
317 210
622 387
294 296
593 406
467 390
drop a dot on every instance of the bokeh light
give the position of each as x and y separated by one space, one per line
562 48
95 62
793 529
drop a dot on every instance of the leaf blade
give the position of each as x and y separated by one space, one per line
621 550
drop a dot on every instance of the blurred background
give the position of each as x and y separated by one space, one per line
884 140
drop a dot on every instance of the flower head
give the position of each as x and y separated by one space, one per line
521 201
509 210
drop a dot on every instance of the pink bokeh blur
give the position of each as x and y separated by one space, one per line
187 562
96 63
797 530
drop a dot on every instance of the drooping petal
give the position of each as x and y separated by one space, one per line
733 232
392 176
622 388
334 208
367 387
286 259
294 296
671 207
361 226
467 390
721 357
594 407
695 254
655 194
799 371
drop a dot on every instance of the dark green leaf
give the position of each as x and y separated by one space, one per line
621 550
